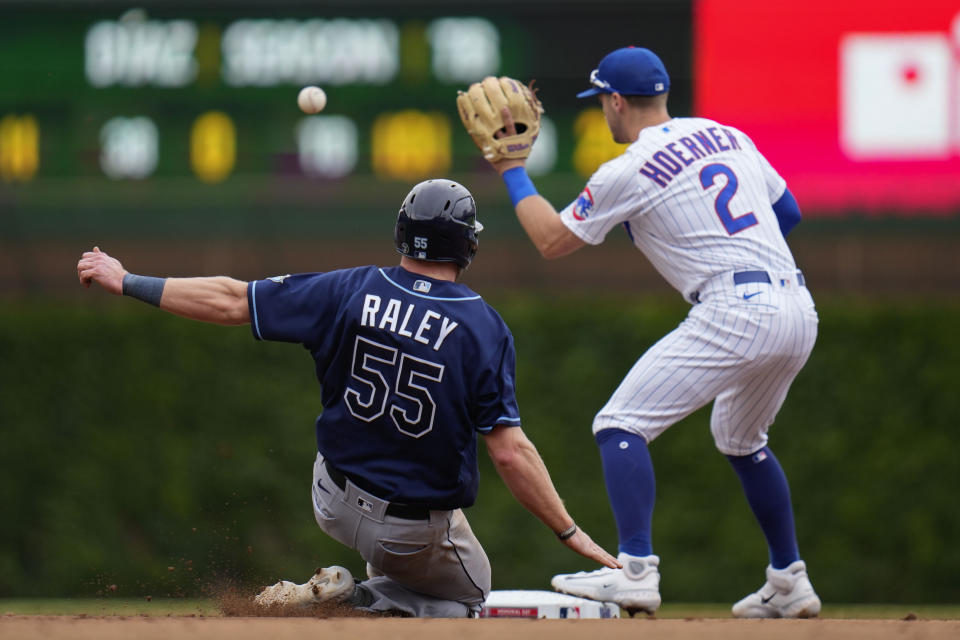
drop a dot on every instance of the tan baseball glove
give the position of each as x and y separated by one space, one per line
481 107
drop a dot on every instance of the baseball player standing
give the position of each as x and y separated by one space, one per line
412 366
710 213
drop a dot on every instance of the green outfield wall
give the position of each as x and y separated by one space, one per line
143 454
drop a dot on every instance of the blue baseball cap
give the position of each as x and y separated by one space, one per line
630 71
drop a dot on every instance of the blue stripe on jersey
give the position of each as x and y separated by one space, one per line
510 422
420 295
253 303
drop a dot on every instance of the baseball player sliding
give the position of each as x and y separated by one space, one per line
412 366
711 214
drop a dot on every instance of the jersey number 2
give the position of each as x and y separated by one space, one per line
375 372
722 205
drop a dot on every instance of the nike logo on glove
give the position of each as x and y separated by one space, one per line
747 296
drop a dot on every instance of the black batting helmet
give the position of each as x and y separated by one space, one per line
438 223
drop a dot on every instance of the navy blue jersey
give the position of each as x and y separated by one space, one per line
411 368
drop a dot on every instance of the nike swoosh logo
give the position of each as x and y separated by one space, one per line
747 296
607 586
766 600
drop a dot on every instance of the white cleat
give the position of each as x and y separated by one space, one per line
635 588
786 594
331 583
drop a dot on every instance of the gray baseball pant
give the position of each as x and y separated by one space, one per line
432 568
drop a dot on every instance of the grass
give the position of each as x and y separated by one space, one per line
109 607
183 607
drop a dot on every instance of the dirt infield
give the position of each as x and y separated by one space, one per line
178 628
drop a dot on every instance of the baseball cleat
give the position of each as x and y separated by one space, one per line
787 593
635 588
331 583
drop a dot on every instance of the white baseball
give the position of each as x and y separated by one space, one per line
312 99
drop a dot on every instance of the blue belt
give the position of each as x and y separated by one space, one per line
743 277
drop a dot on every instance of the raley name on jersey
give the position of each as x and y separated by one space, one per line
687 150
427 330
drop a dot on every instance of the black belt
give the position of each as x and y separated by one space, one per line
395 509
743 277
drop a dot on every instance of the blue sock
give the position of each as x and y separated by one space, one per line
631 485
768 493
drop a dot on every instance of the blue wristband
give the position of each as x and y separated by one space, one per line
519 184
146 288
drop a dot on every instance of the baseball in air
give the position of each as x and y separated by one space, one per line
312 99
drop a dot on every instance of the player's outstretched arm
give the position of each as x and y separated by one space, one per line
549 235
522 470
218 299
537 216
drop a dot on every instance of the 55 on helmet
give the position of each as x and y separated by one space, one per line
438 223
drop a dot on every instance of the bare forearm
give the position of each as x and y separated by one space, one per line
545 229
216 299
537 216
529 481
523 471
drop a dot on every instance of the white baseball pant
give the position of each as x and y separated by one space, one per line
741 345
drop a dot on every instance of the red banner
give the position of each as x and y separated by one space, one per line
855 102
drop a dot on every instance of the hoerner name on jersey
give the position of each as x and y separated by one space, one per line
431 327
687 150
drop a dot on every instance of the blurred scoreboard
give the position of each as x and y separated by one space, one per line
192 106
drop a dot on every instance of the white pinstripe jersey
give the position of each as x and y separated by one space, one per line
695 197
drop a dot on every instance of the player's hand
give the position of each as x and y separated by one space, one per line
96 266
585 546
502 117
509 129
